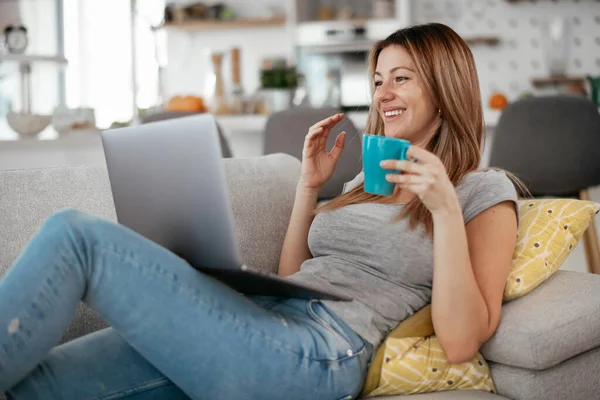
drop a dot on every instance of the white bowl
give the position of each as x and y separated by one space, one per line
28 124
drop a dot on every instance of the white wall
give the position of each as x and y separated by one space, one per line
189 52
189 61
39 17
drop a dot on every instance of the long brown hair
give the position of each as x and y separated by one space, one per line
446 68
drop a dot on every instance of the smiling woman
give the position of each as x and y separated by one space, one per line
425 90
449 217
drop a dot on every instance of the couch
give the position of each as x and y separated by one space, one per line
546 347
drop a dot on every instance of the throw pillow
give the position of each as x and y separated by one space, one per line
549 230
409 360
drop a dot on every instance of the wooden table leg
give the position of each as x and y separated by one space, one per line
590 241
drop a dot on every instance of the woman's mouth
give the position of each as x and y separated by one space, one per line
391 115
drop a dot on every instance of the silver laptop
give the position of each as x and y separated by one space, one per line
168 184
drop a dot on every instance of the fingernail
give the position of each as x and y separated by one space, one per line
382 164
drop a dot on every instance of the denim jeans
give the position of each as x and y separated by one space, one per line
176 333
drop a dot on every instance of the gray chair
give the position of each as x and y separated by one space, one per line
285 132
161 116
553 144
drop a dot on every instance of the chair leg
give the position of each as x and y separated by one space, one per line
590 241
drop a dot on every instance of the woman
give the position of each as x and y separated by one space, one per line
446 236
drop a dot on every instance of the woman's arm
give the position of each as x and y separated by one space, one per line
295 245
471 266
318 165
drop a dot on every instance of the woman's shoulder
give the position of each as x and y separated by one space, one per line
482 181
481 189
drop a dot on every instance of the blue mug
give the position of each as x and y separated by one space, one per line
375 149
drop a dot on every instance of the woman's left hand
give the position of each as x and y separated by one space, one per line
425 175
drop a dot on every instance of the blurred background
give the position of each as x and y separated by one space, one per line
114 61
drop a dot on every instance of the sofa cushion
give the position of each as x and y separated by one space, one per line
449 395
262 194
30 196
549 325
549 230
574 379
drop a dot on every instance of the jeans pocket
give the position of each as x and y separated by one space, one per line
314 315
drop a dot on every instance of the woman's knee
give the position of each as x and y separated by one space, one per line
66 217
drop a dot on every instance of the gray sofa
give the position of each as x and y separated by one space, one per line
547 345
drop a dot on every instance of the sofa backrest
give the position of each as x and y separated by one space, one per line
262 194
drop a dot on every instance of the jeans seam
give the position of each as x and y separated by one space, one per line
153 384
200 301
317 318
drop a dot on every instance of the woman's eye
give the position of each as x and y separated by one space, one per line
400 79
378 83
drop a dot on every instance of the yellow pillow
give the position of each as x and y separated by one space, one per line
409 361
418 365
549 230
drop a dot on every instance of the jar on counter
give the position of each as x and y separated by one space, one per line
382 8
326 10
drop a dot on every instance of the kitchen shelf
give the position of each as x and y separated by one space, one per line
482 40
558 80
237 23
27 58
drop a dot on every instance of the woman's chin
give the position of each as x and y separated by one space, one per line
394 134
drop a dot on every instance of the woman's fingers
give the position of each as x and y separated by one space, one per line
410 179
423 156
328 122
313 133
339 145
319 132
405 166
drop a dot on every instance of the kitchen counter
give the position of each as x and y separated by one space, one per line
232 124
244 134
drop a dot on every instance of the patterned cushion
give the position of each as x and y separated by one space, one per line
549 231
411 359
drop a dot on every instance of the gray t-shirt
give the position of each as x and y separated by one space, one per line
359 250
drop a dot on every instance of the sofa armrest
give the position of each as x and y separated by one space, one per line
558 320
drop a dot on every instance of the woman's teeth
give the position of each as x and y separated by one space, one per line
393 112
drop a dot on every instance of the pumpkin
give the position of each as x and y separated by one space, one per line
186 104
498 101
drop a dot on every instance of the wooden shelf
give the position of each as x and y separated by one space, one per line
558 80
235 24
483 40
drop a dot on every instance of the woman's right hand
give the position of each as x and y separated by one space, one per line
318 164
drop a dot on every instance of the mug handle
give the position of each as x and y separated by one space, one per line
403 155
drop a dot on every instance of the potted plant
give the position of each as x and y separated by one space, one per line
278 83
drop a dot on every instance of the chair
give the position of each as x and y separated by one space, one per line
552 143
161 116
285 132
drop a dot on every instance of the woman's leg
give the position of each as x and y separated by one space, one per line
203 336
97 366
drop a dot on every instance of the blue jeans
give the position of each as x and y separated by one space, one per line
175 333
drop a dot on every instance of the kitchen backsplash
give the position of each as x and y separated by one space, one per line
519 56
507 67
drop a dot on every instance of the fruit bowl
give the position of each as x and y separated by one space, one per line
28 124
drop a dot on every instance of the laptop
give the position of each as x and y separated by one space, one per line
168 184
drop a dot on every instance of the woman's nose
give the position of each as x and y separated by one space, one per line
384 93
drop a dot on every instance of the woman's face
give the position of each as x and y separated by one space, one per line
407 110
